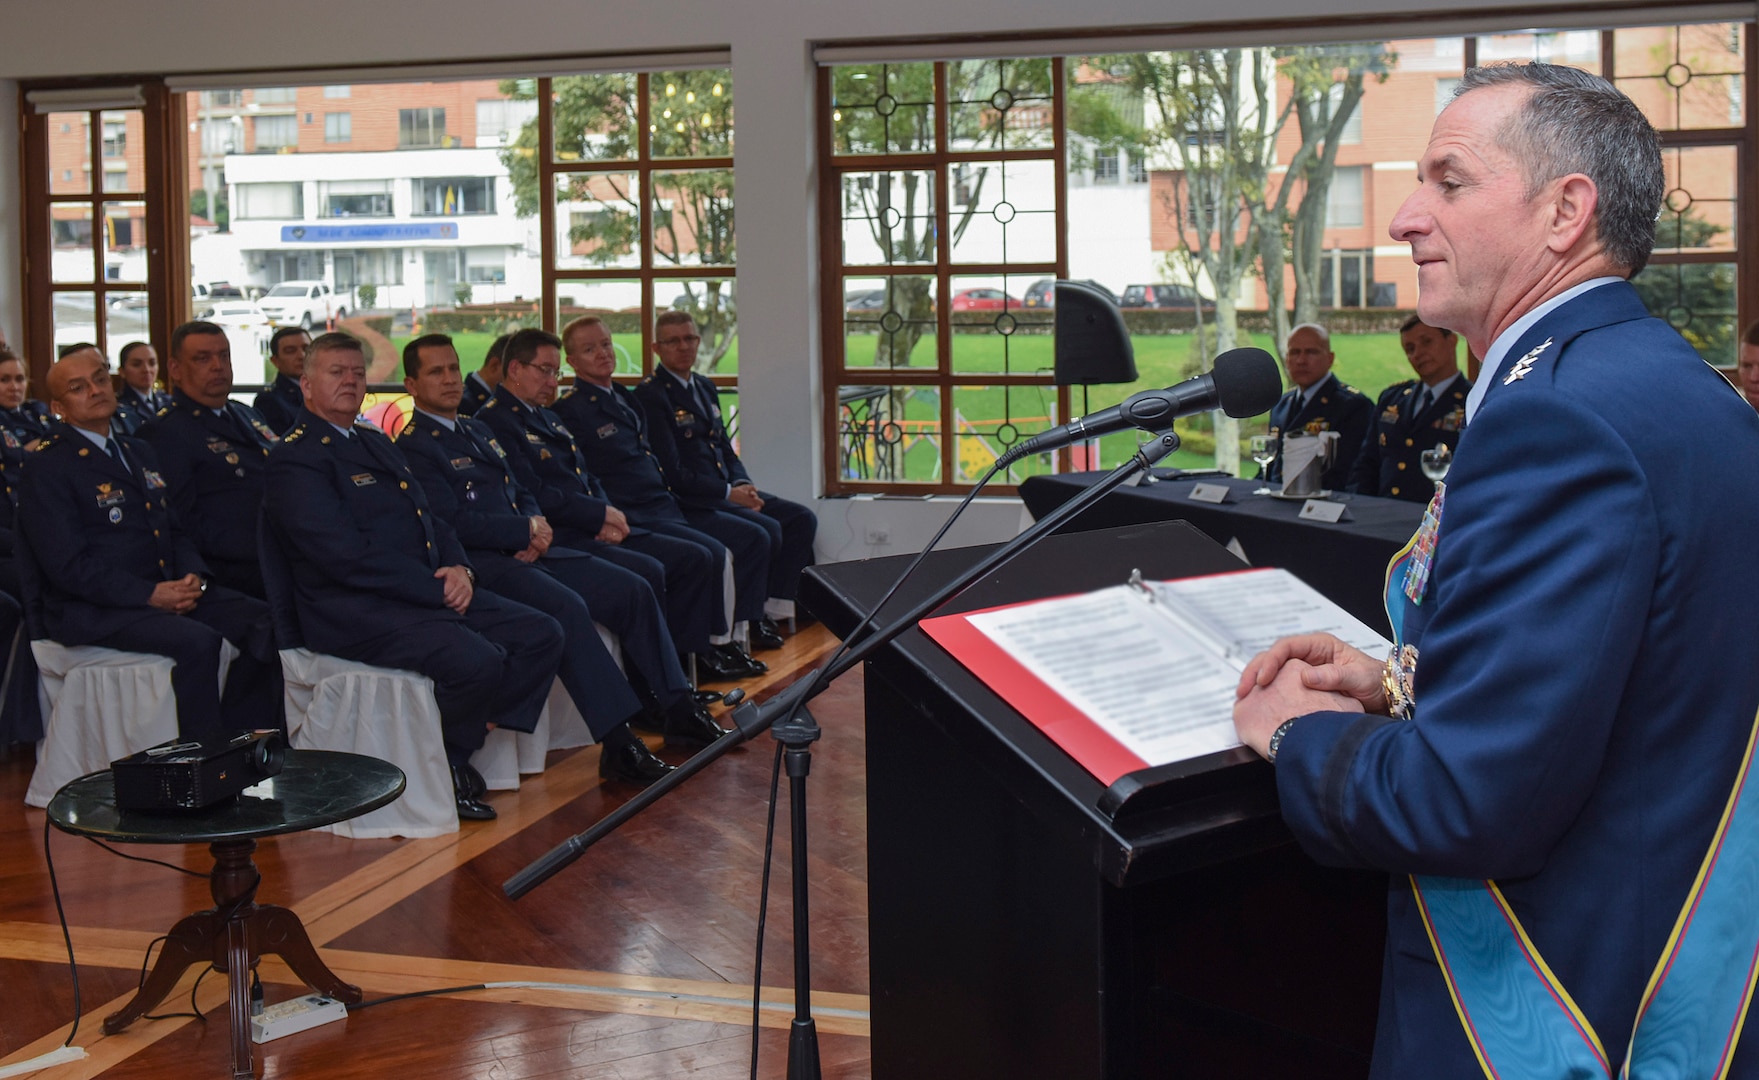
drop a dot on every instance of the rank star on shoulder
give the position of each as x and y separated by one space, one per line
1525 363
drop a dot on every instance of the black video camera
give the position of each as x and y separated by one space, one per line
180 775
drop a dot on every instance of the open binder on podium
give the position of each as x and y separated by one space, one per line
1140 674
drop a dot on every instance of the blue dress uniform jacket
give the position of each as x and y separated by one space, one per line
476 394
1578 723
472 488
363 544
547 462
20 717
280 403
1333 407
134 410
29 422
1390 463
214 464
689 437
102 536
610 429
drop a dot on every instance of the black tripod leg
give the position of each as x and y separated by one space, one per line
802 1033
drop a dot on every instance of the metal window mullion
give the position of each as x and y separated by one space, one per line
644 152
943 261
546 201
1060 148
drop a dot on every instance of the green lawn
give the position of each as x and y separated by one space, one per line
1370 362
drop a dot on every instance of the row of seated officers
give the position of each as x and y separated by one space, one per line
477 552
1380 443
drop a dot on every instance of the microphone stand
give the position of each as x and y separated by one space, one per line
786 718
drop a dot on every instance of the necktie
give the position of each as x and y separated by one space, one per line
1424 400
113 447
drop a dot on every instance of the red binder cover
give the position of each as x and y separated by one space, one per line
1050 712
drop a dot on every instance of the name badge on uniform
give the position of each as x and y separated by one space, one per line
218 446
532 436
110 495
364 479
606 431
154 481
461 463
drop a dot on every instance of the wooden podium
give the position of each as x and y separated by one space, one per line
1025 921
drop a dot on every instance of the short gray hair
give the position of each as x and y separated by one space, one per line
1324 334
1574 122
334 341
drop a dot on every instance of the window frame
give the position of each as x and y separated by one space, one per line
835 272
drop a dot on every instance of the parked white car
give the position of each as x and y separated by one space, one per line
305 304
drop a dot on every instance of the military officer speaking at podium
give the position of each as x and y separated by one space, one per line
377 578
118 570
1551 764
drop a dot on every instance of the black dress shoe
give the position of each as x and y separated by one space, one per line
735 654
689 724
477 787
470 807
630 760
716 666
765 634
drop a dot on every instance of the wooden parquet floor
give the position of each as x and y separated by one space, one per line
633 963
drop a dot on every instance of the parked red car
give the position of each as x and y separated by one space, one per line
983 300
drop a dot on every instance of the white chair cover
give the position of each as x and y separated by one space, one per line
99 705
508 755
336 704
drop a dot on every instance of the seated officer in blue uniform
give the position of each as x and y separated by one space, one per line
1415 416
470 487
687 434
379 579
214 451
138 398
1316 403
610 429
27 418
1553 764
479 385
115 568
279 402
547 462
21 719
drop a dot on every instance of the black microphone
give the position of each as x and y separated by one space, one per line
1245 382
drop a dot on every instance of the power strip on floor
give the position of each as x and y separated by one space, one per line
291 1017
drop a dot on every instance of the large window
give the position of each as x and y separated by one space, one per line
421 127
637 210
953 192
455 195
941 219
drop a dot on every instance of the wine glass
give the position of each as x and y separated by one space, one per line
1264 450
1436 461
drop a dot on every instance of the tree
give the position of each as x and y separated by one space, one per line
1326 84
689 210
222 215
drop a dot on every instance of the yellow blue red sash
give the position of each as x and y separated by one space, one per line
1522 1023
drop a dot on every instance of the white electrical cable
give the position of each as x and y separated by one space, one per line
61 1055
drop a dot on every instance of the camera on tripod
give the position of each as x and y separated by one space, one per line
189 775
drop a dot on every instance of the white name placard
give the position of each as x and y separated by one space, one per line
1321 510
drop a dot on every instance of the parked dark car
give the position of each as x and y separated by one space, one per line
1164 296
1040 294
